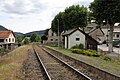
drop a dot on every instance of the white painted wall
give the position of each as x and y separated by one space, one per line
65 42
72 39
10 39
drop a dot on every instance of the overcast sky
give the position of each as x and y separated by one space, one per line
32 15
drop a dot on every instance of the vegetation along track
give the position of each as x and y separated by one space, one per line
32 67
58 69
91 71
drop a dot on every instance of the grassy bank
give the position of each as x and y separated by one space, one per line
11 63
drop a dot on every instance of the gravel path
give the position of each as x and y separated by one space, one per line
31 69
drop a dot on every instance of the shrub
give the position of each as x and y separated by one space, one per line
106 58
80 46
78 51
88 52
2 49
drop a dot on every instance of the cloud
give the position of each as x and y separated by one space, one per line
22 7
26 15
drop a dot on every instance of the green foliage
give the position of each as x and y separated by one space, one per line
90 52
46 31
107 58
58 21
19 39
26 41
106 10
35 37
73 17
80 46
78 51
44 37
2 49
86 52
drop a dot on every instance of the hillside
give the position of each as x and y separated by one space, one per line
29 33
18 34
37 32
3 28
21 34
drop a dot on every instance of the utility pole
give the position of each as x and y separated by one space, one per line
58 34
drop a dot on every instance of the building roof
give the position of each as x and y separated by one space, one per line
94 29
69 32
5 33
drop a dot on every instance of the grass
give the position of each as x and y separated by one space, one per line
112 66
11 63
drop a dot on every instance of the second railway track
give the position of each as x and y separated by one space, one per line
91 71
58 69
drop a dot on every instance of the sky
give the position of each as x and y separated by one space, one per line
33 15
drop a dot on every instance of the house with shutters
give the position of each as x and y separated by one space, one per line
77 36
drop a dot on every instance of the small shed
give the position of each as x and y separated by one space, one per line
77 36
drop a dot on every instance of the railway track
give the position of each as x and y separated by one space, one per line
92 72
56 68
33 68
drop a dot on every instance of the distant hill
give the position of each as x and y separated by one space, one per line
3 28
18 34
37 32
21 34
29 33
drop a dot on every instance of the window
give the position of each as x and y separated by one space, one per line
9 40
56 39
117 35
77 39
52 34
6 40
13 40
51 39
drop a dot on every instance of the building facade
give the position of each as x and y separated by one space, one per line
53 37
77 36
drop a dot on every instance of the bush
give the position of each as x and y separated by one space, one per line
106 58
2 49
80 46
94 53
88 52
78 51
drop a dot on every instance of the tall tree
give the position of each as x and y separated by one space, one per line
58 22
35 37
109 11
73 17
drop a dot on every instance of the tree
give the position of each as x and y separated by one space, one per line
109 11
43 38
46 31
73 17
58 21
26 41
19 39
35 37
